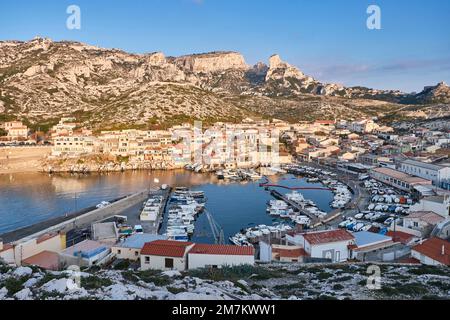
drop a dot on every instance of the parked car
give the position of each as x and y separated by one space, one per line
138 229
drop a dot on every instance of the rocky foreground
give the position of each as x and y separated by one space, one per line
240 283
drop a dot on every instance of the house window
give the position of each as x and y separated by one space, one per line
147 260
119 251
169 263
136 253
416 224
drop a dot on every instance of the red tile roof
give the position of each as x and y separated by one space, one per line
222 250
46 260
399 236
290 253
6 247
166 248
432 248
328 236
46 237
427 216
409 261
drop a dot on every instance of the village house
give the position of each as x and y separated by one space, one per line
363 126
28 248
438 204
47 260
130 248
397 179
217 256
434 252
86 253
313 154
332 245
289 254
367 243
65 127
165 255
16 130
422 221
74 146
433 172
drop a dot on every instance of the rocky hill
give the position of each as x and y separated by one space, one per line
271 282
42 80
434 94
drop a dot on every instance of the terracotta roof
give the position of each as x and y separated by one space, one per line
432 248
325 122
222 250
46 260
6 247
401 176
328 236
46 237
166 248
409 260
426 216
399 236
289 253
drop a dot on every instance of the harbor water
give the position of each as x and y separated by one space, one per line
27 199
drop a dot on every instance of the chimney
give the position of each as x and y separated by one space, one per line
443 249
1 244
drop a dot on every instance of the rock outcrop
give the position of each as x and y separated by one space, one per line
212 62
439 93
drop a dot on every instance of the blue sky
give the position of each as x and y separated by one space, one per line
327 39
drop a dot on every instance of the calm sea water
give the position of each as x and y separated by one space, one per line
26 199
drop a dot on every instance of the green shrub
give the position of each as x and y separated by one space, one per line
13 285
175 290
430 270
342 279
338 287
130 276
235 273
122 265
324 275
93 282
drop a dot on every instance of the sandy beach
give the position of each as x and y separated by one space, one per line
22 159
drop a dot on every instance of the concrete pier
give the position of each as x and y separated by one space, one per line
295 206
82 219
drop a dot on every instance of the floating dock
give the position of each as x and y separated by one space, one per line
295 206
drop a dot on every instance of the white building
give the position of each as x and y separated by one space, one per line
130 248
433 252
398 179
86 253
433 172
422 221
436 204
16 130
73 146
165 255
217 256
363 126
330 244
